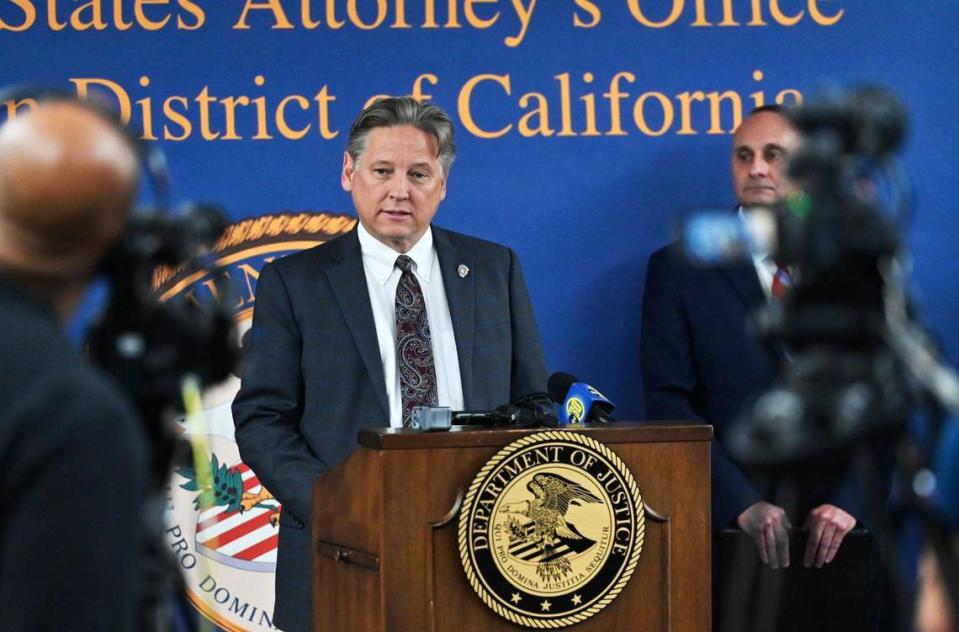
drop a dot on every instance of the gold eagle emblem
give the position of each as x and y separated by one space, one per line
552 496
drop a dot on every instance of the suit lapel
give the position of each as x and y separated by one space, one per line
461 296
348 281
745 280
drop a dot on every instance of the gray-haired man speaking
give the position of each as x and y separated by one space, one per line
356 332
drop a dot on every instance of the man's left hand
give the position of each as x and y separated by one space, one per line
828 525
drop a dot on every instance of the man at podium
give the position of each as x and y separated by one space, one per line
356 332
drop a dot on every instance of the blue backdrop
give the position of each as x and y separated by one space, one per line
584 211
585 126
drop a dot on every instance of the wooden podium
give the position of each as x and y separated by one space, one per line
385 531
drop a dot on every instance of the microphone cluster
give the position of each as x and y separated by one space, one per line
579 403
534 410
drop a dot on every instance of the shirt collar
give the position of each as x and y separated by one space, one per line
759 257
381 259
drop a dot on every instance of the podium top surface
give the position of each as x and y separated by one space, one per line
478 436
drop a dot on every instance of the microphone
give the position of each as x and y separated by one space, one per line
581 402
528 411
477 418
533 410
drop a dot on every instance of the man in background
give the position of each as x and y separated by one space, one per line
356 332
701 361
72 452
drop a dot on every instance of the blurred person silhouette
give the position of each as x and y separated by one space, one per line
701 360
73 456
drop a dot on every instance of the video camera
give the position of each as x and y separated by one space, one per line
859 363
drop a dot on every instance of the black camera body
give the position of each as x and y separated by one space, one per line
843 384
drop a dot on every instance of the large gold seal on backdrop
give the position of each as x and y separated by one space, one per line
224 531
551 529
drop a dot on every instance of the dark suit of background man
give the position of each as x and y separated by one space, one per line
323 358
701 361
72 454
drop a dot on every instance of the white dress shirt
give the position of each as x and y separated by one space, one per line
763 261
382 277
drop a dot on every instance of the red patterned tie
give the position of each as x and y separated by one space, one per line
782 282
414 352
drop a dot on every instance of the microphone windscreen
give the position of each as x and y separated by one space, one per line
558 385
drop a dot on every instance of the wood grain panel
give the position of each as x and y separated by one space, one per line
383 500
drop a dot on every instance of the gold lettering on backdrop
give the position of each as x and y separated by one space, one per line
418 93
430 19
789 97
146 22
595 14
565 107
727 14
400 21
614 96
685 110
540 113
758 97
669 20
513 16
229 106
260 102
150 15
373 99
331 19
280 20
715 99
757 14
464 105
358 22
640 113
778 14
122 98
820 18
569 105
306 17
195 11
146 116
56 25
177 118
283 126
94 20
573 109
474 20
29 17
368 15
286 224
225 118
652 13
525 15
14 106
204 100
589 101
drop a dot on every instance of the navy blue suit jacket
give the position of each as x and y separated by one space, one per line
313 375
700 361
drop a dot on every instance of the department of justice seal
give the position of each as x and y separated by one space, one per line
551 529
